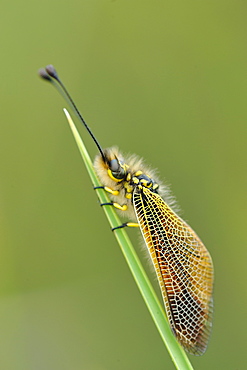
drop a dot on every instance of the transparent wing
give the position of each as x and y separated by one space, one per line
184 269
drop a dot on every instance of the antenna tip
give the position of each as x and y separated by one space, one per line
43 74
51 71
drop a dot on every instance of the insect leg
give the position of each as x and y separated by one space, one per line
109 190
126 224
113 192
118 206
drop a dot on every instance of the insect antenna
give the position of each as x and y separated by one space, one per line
49 74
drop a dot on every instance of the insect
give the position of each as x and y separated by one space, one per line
182 263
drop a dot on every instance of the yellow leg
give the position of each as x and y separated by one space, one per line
118 206
109 190
132 224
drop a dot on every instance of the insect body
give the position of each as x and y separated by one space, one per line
182 263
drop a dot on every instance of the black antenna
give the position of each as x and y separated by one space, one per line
49 73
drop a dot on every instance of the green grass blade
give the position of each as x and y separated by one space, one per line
155 308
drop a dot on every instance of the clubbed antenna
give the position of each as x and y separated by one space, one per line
50 74
43 74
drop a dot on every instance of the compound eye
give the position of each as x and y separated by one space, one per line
114 165
117 170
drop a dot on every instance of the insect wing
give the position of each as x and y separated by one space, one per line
183 266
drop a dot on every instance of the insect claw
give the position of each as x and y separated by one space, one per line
106 204
120 226
126 224
98 187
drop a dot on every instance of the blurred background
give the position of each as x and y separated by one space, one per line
166 80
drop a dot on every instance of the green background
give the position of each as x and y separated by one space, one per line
163 79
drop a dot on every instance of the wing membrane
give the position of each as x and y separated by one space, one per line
183 266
